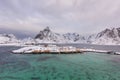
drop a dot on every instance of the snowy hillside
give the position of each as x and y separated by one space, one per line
49 36
108 37
8 39
105 37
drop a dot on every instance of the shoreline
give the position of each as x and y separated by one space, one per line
99 48
54 49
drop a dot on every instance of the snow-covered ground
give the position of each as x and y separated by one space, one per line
8 40
43 48
56 49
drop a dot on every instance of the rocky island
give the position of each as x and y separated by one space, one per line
54 49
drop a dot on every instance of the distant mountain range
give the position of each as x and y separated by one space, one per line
105 37
49 35
8 38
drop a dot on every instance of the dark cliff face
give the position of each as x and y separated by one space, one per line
73 36
105 35
110 33
43 34
47 34
118 29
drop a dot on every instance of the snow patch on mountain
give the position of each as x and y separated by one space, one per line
108 37
8 38
105 37
48 36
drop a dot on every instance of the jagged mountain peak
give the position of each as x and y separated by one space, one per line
47 34
47 29
107 36
110 33
43 33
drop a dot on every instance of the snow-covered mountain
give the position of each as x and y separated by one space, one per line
105 37
8 38
47 35
11 40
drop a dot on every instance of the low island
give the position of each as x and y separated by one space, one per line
54 49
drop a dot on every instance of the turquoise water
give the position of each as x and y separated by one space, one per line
89 66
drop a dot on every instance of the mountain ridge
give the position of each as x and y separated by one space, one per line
105 37
47 34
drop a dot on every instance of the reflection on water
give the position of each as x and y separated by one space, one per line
89 66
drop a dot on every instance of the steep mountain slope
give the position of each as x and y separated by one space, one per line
105 37
48 36
8 38
108 37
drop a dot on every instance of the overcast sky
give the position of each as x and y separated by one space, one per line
82 16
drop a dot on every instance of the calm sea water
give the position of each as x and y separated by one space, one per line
88 66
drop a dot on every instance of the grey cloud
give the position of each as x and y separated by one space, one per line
83 16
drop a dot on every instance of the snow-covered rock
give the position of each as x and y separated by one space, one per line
47 35
108 37
28 41
105 37
8 38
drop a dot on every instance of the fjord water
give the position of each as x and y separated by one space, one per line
88 66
